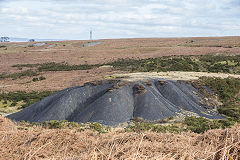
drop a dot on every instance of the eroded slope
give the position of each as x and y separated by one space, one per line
114 101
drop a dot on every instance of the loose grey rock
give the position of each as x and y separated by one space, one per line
107 104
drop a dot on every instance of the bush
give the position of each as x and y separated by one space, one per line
64 67
201 124
13 104
41 78
35 79
53 66
27 73
97 127
54 124
145 126
227 89
205 63
233 113
38 79
140 126
27 98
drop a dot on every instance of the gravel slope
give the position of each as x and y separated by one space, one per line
114 101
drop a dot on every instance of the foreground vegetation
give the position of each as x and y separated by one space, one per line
193 124
37 142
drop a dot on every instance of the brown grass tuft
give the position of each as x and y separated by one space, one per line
39 143
6 125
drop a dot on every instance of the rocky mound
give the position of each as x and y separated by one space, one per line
114 102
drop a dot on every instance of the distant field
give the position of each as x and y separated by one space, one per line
90 59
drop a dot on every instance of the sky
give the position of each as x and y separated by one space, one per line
73 19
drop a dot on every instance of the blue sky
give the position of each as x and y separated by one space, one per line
73 19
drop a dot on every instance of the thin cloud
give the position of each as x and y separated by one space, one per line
72 19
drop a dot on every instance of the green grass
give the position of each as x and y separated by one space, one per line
146 126
26 65
27 73
27 98
193 124
64 67
232 112
54 124
204 63
52 66
201 125
228 89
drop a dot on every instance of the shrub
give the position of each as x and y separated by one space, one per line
42 78
97 127
38 79
231 112
13 104
227 89
4 102
27 98
201 124
206 63
145 126
27 73
171 118
64 67
140 126
35 79
54 124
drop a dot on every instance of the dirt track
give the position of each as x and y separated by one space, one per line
173 75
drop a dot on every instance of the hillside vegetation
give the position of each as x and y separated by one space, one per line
204 63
